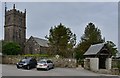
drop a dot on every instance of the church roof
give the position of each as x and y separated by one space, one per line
41 42
94 49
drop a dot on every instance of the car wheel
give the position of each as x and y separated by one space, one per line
18 67
37 68
53 67
28 67
47 68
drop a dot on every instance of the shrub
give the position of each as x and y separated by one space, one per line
11 48
36 55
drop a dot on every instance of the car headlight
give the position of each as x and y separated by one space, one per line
25 64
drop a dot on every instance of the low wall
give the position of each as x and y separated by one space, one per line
115 71
115 68
60 62
111 65
0 59
87 64
94 63
108 63
91 64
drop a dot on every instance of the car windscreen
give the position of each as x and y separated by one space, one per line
24 61
42 62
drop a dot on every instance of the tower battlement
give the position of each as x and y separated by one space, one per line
14 10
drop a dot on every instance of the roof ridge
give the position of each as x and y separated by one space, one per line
39 38
99 43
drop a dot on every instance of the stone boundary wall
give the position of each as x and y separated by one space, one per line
87 64
114 69
59 62
91 64
0 59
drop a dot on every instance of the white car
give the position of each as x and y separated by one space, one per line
45 64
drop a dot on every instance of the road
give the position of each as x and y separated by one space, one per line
0 70
11 70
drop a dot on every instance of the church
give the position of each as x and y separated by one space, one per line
15 31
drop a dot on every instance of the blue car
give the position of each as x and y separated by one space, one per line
27 63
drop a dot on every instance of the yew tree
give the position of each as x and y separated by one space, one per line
92 35
61 40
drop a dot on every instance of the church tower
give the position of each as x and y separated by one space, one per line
15 26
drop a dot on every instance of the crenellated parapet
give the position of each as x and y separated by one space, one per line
15 11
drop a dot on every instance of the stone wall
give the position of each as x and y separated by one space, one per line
115 70
91 64
94 63
33 47
108 63
0 59
111 66
87 64
59 62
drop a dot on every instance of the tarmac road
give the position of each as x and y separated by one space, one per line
11 70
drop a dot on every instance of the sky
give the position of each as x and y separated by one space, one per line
41 16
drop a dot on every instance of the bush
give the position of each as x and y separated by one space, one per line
36 55
11 48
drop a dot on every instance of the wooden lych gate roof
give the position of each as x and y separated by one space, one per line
94 49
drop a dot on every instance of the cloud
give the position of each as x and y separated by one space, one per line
41 16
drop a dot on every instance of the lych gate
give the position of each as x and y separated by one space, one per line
99 57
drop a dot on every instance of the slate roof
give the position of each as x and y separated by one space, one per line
94 49
41 42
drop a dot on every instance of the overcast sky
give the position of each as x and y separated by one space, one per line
41 16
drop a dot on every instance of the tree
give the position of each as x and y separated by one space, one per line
11 48
61 40
112 47
91 36
1 46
